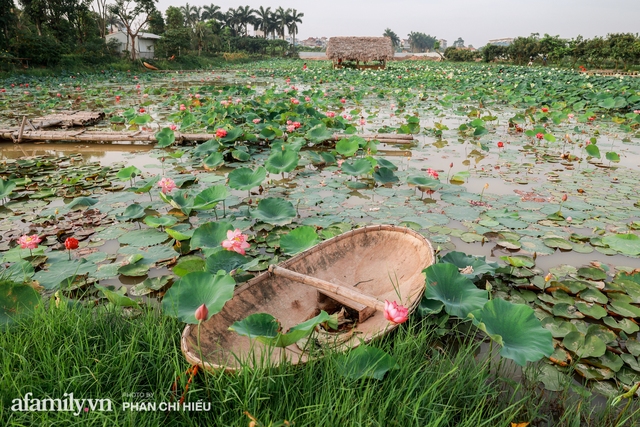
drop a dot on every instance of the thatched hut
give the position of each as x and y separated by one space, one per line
359 51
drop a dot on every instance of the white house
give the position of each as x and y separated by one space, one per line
145 43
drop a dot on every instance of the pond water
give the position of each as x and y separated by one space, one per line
486 174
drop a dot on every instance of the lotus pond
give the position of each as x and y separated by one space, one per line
535 169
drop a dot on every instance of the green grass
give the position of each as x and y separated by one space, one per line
94 353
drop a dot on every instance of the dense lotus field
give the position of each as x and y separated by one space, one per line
534 168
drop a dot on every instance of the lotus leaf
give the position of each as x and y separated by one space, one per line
275 211
459 295
197 288
516 329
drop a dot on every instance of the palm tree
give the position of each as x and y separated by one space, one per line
395 40
230 20
263 20
188 11
211 12
245 17
295 19
283 17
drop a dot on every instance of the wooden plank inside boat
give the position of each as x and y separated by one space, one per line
384 262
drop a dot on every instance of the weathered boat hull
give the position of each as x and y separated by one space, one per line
382 261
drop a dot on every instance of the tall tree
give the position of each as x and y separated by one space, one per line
294 20
263 21
245 17
459 42
283 16
134 14
395 40
211 12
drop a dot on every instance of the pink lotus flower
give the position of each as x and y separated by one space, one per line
296 125
256 121
570 115
167 184
288 80
347 117
58 95
142 110
137 86
343 100
307 99
330 114
29 242
173 127
197 96
432 173
395 313
500 144
202 313
636 111
117 98
238 101
225 103
236 241
539 135
592 118
182 107
545 109
289 122
295 101
221 133
291 128
363 122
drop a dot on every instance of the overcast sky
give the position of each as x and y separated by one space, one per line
475 21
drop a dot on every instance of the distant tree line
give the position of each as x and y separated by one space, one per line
614 50
47 32
418 42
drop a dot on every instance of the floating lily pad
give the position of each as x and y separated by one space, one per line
274 210
145 237
210 234
298 240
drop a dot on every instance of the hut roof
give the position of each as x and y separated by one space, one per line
360 48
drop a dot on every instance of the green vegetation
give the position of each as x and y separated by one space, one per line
109 354
534 168
71 36
618 51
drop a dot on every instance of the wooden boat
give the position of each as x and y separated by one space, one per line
149 66
356 271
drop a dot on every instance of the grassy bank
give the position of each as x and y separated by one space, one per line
107 355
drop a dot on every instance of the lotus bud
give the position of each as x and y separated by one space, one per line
202 313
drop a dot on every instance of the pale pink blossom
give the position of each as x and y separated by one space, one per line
343 100
289 122
256 121
286 90
307 99
291 128
432 173
197 95
395 313
29 242
225 103
570 115
236 241
182 107
636 111
238 100
166 185
173 127
363 122
330 114
295 101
